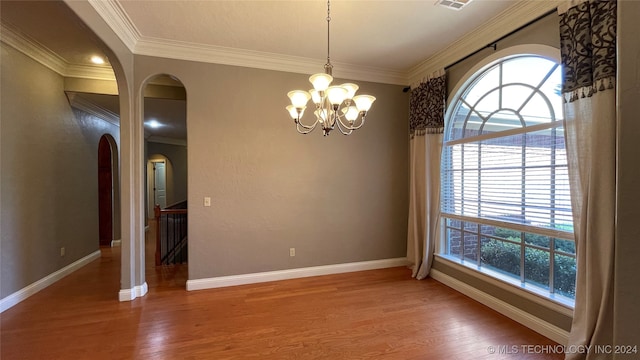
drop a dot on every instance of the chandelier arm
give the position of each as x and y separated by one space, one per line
348 125
304 130
361 123
344 129
307 127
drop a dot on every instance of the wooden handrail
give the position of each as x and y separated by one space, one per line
171 211
179 205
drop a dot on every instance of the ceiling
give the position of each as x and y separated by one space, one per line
379 36
394 35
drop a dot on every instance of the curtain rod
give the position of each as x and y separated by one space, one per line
494 43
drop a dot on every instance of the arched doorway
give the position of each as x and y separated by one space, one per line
164 112
107 177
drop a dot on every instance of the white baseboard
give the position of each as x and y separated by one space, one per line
134 292
233 280
22 294
534 323
116 242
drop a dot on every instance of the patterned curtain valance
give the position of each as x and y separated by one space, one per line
588 48
427 106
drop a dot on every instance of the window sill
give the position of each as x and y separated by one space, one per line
558 303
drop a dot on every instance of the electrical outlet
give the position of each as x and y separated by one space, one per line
292 251
62 251
207 201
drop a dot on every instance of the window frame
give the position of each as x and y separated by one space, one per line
441 250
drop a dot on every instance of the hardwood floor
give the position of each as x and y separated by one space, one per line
366 315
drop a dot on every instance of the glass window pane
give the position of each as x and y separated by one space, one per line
566 246
471 247
508 234
501 256
488 230
564 275
453 223
536 267
552 88
526 70
515 96
537 240
470 226
454 238
488 103
489 80
536 111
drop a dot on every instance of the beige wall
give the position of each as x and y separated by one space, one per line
335 199
627 276
49 169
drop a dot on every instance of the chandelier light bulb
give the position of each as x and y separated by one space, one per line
364 102
336 94
321 81
315 96
294 112
351 90
299 98
350 113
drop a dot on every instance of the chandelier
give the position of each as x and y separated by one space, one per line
335 106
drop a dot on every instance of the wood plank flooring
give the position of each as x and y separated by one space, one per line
378 314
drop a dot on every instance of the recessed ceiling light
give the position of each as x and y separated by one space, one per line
97 60
154 124
453 4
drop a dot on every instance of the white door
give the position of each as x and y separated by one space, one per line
160 184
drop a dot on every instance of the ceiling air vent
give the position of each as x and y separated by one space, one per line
453 4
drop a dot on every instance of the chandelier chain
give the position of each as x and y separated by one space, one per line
328 26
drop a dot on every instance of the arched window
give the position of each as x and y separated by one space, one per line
506 207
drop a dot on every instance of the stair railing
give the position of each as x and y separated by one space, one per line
171 234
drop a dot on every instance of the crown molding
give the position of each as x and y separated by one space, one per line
87 106
513 17
97 72
40 53
180 50
31 48
117 19
505 22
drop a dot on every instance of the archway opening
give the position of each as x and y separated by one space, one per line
108 177
164 114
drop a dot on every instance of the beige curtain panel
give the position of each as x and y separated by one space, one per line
426 122
588 49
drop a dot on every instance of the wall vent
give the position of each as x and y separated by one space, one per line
453 4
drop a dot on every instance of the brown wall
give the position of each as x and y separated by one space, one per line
627 253
49 174
335 199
